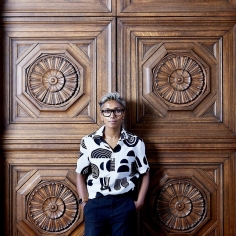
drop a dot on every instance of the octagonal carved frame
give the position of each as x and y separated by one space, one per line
52 80
176 77
151 41
50 202
180 201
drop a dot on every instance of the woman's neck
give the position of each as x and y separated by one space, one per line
112 134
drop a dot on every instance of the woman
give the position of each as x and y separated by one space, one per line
110 163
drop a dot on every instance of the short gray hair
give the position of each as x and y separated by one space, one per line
112 96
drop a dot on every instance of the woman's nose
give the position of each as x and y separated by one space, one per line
113 114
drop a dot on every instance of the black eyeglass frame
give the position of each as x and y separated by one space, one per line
113 111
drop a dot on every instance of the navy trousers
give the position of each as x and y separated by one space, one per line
110 215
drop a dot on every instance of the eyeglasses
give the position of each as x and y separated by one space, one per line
116 112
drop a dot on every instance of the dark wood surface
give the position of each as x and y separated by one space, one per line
173 62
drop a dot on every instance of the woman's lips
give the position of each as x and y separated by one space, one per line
112 121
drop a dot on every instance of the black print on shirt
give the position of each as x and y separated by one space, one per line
138 162
83 144
95 171
124 161
131 154
121 182
111 169
123 168
97 141
131 141
101 153
102 166
105 183
111 165
145 160
90 182
117 148
124 182
92 134
134 179
80 154
117 184
86 170
96 137
133 169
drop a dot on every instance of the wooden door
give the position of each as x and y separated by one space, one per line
174 62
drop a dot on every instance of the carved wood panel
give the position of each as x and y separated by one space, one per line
174 64
177 71
175 8
56 79
49 198
185 193
60 8
182 103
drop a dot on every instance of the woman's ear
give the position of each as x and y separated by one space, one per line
101 116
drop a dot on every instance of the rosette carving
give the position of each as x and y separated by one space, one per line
180 205
52 207
53 80
179 79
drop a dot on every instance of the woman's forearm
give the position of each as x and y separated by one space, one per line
143 190
81 185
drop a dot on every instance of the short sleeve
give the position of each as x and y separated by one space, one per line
83 162
141 159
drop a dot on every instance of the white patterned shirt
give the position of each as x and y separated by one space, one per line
111 171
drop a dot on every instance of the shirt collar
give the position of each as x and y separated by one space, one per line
99 133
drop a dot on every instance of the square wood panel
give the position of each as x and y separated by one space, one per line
59 8
189 193
46 200
58 69
175 8
171 72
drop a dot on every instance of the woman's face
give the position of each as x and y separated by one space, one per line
114 121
